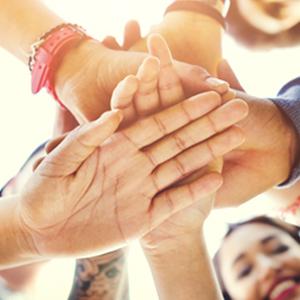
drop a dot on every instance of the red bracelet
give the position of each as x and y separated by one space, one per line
49 55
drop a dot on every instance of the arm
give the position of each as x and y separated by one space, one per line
182 269
83 80
175 249
14 247
102 277
22 23
198 33
270 151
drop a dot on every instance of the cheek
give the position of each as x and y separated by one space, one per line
245 289
292 262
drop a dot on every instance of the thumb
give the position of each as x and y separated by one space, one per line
68 156
226 73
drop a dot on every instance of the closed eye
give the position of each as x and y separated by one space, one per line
280 249
245 272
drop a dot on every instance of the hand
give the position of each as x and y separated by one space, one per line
192 38
88 74
266 157
156 86
94 181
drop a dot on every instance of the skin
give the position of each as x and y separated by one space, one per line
88 67
125 92
44 235
157 85
262 263
179 239
266 158
271 148
102 277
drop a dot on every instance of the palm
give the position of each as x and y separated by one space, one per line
184 222
121 190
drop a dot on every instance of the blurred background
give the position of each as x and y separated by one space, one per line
27 120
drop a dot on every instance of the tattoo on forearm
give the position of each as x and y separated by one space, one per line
101 278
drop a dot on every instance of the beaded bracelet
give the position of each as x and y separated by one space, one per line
48 52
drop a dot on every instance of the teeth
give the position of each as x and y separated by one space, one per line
281 287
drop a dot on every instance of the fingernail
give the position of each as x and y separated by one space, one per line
229 95
217 83
110 114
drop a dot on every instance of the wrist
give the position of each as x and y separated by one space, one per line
173 246
18 247
179 28
25 239
70 69
291 142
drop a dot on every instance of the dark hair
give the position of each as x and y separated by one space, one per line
291 230
242 31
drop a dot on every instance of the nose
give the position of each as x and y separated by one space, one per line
267 267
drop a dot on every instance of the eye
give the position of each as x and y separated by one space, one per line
245 272
280 249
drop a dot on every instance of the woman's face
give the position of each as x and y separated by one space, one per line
270 16
260 262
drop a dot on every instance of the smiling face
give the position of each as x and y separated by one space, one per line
270 16
260 262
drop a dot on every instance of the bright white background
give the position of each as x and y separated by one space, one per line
26 121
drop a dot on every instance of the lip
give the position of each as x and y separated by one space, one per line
285 293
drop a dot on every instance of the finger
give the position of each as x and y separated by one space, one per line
37 163
111 42
196 157
52 144
79 145
225 72
195 79
64 122
132 34
170 88
146 99
167 203
123 96
198 131
153 128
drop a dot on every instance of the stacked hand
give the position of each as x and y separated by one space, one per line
266 157
156 86
120 184
89 73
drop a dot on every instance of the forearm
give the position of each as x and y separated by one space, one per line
15 247
192 37
184 270
22 23
102 277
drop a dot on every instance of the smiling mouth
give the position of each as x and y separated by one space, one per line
283 288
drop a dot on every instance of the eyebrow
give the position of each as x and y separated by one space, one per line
268 239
